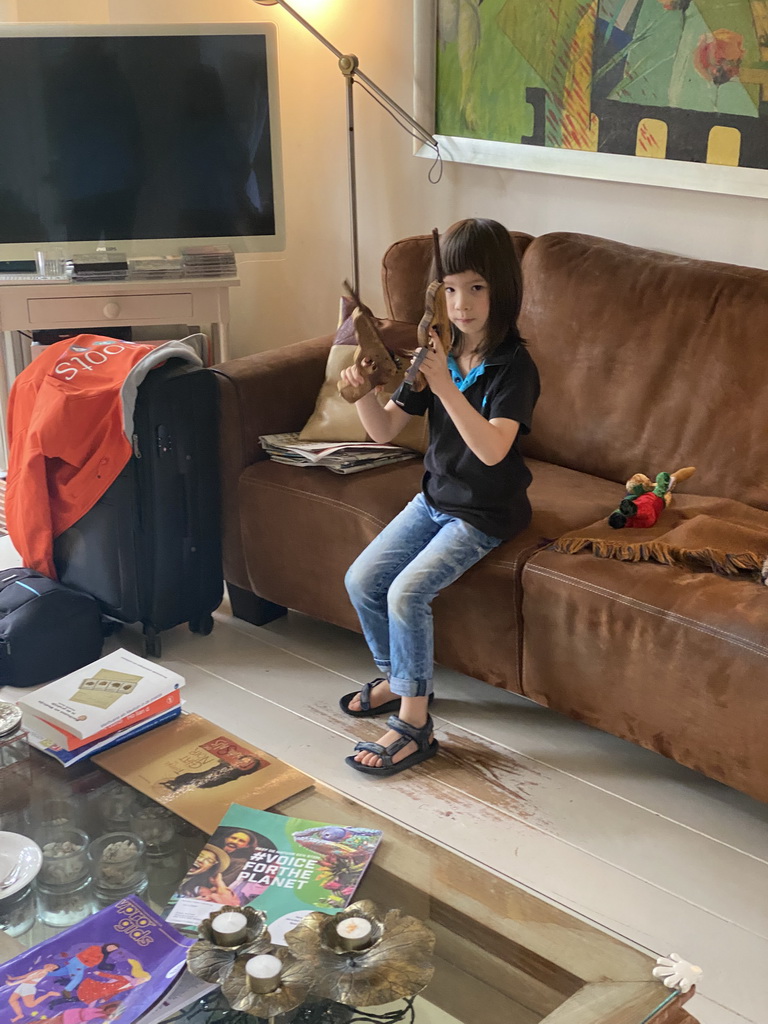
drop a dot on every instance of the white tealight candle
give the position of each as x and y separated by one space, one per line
263 973
354 932
229 929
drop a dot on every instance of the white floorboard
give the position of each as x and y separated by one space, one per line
652 851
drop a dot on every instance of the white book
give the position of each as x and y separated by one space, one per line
101 694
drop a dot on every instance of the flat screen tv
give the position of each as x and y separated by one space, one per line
140 138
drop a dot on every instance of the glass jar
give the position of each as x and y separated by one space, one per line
63 905
52 813
14 746
64 882
157 827
117 805
17 912
118 865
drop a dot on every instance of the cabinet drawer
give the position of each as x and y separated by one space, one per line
92 310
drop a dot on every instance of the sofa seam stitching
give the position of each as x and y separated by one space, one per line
323 500
650 610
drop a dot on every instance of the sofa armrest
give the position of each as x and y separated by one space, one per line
270 392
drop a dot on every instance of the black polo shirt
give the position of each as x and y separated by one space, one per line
492 498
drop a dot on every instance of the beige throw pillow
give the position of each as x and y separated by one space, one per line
335 419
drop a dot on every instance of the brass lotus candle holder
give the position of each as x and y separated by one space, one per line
285 991
394 963
213 961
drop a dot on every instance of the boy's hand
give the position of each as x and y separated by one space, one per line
435 367
353 376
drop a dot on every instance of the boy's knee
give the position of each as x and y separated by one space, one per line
356 581
403 599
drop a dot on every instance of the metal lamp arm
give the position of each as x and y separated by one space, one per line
349 65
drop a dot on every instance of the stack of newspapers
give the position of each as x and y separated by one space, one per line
339 457
103 704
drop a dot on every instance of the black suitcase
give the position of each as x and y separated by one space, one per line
150 550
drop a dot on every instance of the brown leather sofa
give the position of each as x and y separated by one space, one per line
648 362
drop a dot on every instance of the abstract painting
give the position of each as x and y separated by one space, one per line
671 92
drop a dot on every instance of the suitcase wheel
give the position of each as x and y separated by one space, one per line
203 625
152 644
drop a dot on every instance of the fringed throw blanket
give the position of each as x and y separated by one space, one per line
699 533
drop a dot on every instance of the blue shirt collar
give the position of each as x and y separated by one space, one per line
461 382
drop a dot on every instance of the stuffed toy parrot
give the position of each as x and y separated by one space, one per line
646 499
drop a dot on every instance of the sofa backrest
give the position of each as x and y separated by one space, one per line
649 362
405 274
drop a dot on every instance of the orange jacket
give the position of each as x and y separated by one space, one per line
70 434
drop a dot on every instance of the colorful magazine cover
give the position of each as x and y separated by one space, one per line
111 967
286 867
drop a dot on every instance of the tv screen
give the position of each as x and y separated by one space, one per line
142 138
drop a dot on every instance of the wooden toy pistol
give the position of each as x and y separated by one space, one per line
377 365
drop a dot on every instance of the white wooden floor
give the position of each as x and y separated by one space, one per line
666 858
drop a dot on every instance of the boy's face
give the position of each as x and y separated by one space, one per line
468 301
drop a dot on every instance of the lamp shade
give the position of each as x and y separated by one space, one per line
266 3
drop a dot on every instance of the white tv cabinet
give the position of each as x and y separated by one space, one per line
40 304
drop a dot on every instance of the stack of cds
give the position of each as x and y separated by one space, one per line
209 261
98 266
149 268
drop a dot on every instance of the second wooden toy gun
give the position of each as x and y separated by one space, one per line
376 363
435 320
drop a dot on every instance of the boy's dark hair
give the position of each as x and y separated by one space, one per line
485 246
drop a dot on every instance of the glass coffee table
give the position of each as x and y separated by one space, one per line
503 953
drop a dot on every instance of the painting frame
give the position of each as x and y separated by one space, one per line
598 166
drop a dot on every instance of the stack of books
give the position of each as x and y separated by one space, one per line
103 704
209 261
340 457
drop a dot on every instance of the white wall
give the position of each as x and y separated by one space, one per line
295 295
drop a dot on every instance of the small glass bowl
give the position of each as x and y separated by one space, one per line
156 825
63 905
119 866
17 912
65 856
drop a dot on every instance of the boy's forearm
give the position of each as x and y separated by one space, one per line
381 423
484 439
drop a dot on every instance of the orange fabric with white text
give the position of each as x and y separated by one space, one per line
66 439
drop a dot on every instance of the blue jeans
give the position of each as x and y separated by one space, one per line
393 582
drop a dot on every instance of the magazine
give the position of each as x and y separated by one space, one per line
340 457
100 695
286 867
119 961
195 768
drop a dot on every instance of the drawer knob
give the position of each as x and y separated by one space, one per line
112 310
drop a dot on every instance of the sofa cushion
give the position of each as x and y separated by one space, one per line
680 658
336 419
648 362
302 527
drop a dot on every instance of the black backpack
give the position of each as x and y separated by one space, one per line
46 629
